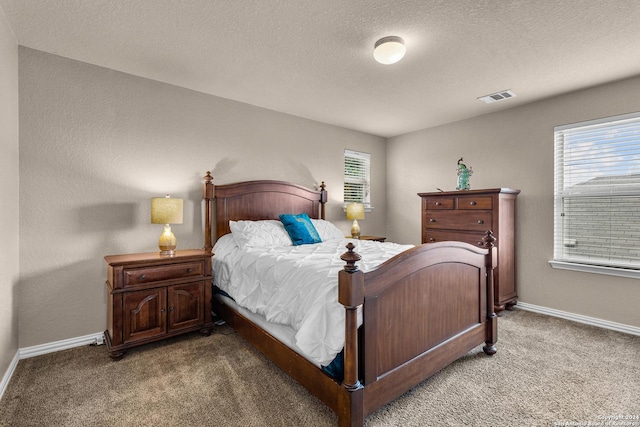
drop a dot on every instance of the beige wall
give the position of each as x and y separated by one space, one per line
514 149
9 191
96 145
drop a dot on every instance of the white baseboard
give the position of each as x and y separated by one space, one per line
620 327
7 376
52 347
37 350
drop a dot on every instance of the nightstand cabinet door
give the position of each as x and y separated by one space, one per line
186 303
144 314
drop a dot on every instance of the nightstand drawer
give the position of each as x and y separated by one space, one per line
137 276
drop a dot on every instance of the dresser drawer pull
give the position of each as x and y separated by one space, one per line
480 243
432 220
171 308
143 277
480 221
472 203
162 310
438 204
189 270
431 239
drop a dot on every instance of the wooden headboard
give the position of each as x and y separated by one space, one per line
257 200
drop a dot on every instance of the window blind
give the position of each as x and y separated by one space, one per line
357 177
597 192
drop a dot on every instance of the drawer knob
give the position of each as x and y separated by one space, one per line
162 310
432 220
438 204
480 221
189 270
143 277
171 308
431 239
472 203
480 244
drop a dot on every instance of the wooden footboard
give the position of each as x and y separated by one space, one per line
422 310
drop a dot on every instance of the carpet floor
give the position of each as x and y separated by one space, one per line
547 372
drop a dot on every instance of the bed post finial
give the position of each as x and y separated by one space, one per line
323 199
208 195
488 239
208 177
350 257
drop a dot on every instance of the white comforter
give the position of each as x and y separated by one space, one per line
296 286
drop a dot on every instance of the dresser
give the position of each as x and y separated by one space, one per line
465 216
153 297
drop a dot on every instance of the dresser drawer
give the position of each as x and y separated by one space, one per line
458 220
137 276
434 236
475 202
438 203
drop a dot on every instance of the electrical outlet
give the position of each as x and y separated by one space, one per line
98 340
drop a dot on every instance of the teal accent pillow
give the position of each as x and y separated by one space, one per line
300 229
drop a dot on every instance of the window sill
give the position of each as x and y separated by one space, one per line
598 269
366 208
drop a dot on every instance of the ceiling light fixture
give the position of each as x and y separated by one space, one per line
389 50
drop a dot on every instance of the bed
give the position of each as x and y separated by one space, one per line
404 320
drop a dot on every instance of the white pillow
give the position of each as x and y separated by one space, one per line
327 230
259 234
225 244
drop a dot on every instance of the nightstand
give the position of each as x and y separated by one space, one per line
153 297
375 238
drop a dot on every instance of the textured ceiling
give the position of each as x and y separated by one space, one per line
313 58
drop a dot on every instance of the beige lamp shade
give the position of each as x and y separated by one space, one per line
355 211
165 210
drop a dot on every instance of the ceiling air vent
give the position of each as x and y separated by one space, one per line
498 96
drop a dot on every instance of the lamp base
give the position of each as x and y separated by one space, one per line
167 242
355 229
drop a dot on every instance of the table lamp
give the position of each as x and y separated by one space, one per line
165 210
355 211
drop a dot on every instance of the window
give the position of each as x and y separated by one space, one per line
597 196
357 178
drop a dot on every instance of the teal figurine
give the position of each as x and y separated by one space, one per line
463 176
